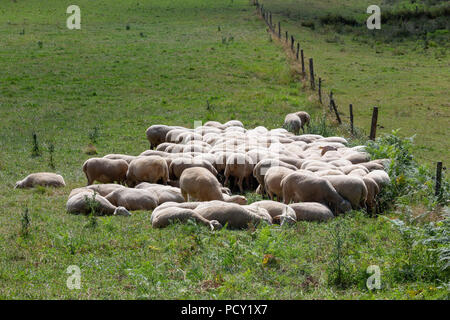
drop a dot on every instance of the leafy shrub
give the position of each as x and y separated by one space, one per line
410 182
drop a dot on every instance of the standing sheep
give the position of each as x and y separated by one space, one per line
202 185
272 181
303 187
239 166
351 188
105 170
156 134
305 118
292 123
147 169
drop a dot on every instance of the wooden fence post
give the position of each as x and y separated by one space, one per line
331 98
298 49
279 30
286 36
311 74
292 43
271 25
351 118
333 104
438 179
320 90
303 63
373 127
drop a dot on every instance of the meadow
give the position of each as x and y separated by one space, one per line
136 63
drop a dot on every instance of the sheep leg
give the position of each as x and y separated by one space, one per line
240 181
185 195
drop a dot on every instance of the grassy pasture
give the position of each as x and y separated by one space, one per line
408 83
162 69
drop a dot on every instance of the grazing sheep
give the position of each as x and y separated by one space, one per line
372 192
202 185
125 157
351 188
299 186
133 199
147 169
156 134
166 216
178 165
272 181
81 203
261 168
232 215
239 166
292 123
105 170
280 212
304 117
311 211
372 165
380 177
44 179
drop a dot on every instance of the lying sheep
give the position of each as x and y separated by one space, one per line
82 202
147 169
280 212
311 211
105 170
44 179
306 187
232 215
292 123
202 185
166 216
272 181
351 188
133 199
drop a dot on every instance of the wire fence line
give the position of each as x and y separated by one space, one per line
316 83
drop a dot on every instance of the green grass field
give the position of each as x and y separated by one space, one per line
408 83
173 57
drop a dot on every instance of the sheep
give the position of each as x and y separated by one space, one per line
372 165
44 179
304 117
166 216
372 192
311 211
202 185
262 166
351 188
104 189
79 190
125 157
82 203
272 181
357 157
178 165
133 199
239 166
105 170
279 212
230 214
380 177
292 123
147 169
300 186
156 134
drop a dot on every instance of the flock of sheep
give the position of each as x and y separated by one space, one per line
189 174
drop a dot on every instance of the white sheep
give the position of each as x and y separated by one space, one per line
44 179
